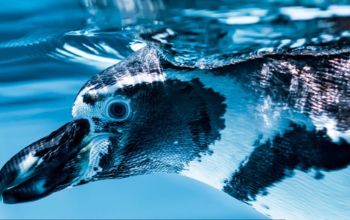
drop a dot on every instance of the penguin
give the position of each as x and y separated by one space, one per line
271 131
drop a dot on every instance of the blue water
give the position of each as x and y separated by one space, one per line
49 49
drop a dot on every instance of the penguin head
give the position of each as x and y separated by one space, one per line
131 119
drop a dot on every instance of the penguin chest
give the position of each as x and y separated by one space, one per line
248 119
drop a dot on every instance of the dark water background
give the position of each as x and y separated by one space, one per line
48 49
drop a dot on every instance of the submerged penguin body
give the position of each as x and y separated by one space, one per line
273 152
266 131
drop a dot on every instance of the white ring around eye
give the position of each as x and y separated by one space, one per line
118 109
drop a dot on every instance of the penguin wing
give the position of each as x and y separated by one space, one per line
315 85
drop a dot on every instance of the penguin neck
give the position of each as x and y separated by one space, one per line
241 132
236 139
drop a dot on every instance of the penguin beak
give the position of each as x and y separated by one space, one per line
45 166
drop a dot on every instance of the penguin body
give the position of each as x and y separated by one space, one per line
266 130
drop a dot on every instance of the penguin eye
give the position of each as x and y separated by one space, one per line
119 110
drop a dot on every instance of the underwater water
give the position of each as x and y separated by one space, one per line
49 49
